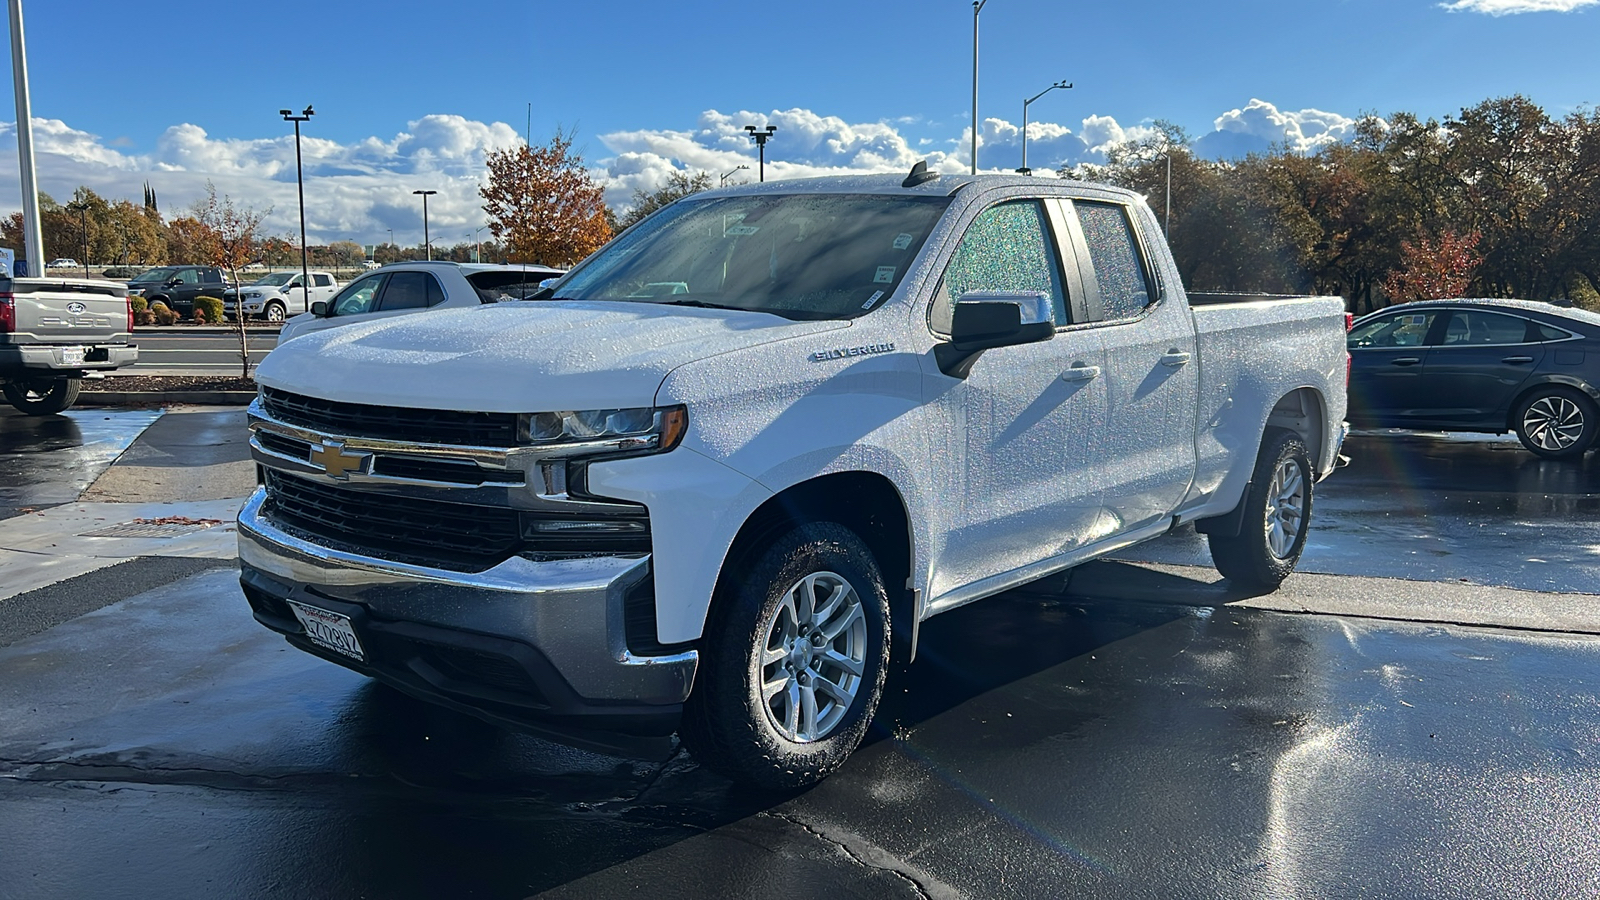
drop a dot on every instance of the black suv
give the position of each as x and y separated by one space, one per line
177 286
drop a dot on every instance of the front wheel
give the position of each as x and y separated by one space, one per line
1277 516
793 661
1556 422
274 312
43 398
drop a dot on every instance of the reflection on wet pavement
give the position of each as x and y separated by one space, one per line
1431 507
47 460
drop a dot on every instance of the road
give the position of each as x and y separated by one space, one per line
1138 730
184 351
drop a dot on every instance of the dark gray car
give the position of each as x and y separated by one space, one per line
1481 365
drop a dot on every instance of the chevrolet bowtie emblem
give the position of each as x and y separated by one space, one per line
333 459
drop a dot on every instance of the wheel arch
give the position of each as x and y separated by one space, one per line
1303 411
867 503
1545 381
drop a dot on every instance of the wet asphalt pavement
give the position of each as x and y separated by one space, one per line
47 460
1045 743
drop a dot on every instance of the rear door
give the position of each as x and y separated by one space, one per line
322 286
1387 358
1152 373
1477 367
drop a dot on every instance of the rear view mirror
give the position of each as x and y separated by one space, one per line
320 309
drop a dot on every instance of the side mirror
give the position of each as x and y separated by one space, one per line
549 282
320 309
174 282
984 320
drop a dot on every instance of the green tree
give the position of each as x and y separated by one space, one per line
678 186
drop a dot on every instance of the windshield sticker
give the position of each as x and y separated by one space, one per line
876 296
885 275
902 241
743 230
1415 320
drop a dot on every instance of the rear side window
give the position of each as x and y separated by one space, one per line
1007 248
1537 331
1118 267
322 280
410 290
1469 327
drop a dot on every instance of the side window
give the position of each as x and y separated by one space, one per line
357 297
188 276
322 280
1400 330
406 290
1118 267
1469 327
1008 248
435 291
1538 331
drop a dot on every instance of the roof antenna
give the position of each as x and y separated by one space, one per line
919 175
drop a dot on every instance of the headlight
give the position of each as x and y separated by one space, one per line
645 429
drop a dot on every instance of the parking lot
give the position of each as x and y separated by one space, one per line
1412 715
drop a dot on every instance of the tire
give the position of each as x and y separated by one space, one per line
773 709
43 398
1276 519
1556 422
274 312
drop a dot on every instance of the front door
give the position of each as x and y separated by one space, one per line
1025 422
1387 358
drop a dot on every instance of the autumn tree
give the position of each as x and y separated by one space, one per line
234 241
542 204
678 186
1434 269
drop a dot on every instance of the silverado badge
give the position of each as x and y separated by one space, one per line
843 352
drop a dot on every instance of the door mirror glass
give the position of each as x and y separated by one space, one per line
320 309
986 319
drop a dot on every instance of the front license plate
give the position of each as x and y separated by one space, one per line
329 629
72 356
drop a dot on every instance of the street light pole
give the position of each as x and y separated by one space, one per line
977 7
32 236
426 243
761 138
477 235
725 175
1064 85
82 209
300 184
1166 223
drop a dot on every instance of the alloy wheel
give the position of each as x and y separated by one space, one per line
1553 423
1287 494
811 662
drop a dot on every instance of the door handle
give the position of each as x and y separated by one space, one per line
1175 358
1081 373
1405 361
1517 359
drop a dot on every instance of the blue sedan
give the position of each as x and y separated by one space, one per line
1480 365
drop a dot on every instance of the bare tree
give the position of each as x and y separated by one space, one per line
235 240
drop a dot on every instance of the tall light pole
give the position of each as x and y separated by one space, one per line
391 243
82 209
427 244
726 175
1062 84
977 7
1166 223
300 184
477 233
761 138
32 238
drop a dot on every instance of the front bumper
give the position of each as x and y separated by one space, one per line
22 358
540 646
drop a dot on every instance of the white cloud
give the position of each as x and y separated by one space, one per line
361 190
1514 7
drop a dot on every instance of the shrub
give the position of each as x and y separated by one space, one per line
162 314
138 304
120 273
207 309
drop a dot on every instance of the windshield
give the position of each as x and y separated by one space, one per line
161 274
275 278
801 256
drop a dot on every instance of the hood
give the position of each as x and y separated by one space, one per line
525 356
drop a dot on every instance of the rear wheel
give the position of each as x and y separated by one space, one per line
41 397
1556 422
1276 516
793 662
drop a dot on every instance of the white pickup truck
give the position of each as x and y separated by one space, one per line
723 466
278 295
55 332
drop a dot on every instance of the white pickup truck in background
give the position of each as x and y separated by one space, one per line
54 332
726 463
278 295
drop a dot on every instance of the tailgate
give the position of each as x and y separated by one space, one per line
67 311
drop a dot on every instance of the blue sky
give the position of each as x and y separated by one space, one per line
410 95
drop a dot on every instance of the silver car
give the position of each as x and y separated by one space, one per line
401 288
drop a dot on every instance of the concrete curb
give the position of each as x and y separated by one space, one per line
142 398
